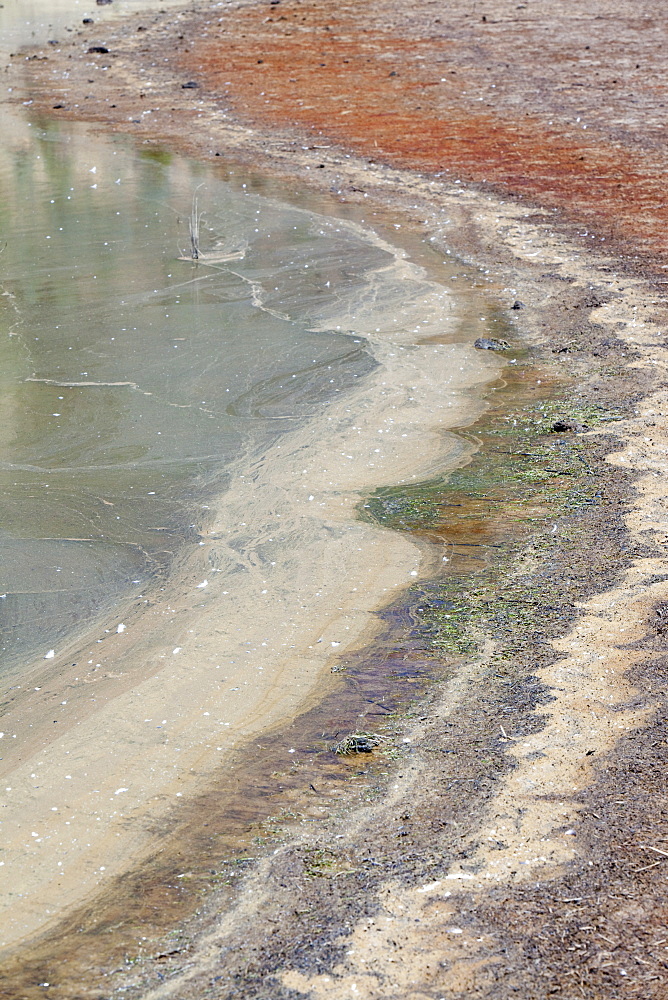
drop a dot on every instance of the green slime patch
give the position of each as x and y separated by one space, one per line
522 480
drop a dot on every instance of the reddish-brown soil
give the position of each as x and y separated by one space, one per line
562 103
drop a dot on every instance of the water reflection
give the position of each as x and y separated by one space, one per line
131 381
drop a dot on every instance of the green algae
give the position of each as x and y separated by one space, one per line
405 508
519 494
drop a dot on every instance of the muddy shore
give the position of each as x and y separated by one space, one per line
509 839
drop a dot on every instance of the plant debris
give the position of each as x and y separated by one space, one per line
491 344
359 743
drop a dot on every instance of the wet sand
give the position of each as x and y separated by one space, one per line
245 630
546 868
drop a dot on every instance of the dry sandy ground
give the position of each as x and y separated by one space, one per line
514 841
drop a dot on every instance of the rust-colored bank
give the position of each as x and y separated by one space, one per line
562 102
565 104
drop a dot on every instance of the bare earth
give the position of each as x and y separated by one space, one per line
511 839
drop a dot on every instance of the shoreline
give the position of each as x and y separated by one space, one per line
128 714
581 315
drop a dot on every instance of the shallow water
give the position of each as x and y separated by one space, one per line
133 382
182 448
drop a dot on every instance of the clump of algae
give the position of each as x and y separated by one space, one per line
523 478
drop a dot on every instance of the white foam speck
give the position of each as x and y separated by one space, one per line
429 886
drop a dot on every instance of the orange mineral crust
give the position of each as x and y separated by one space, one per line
562 103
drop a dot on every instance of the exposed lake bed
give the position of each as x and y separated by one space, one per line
588 313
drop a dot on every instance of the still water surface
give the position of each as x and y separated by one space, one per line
182 446
133 381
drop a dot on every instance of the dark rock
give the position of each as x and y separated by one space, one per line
190 85
88 20
567 424
491 344
101 3
98 48
518 305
